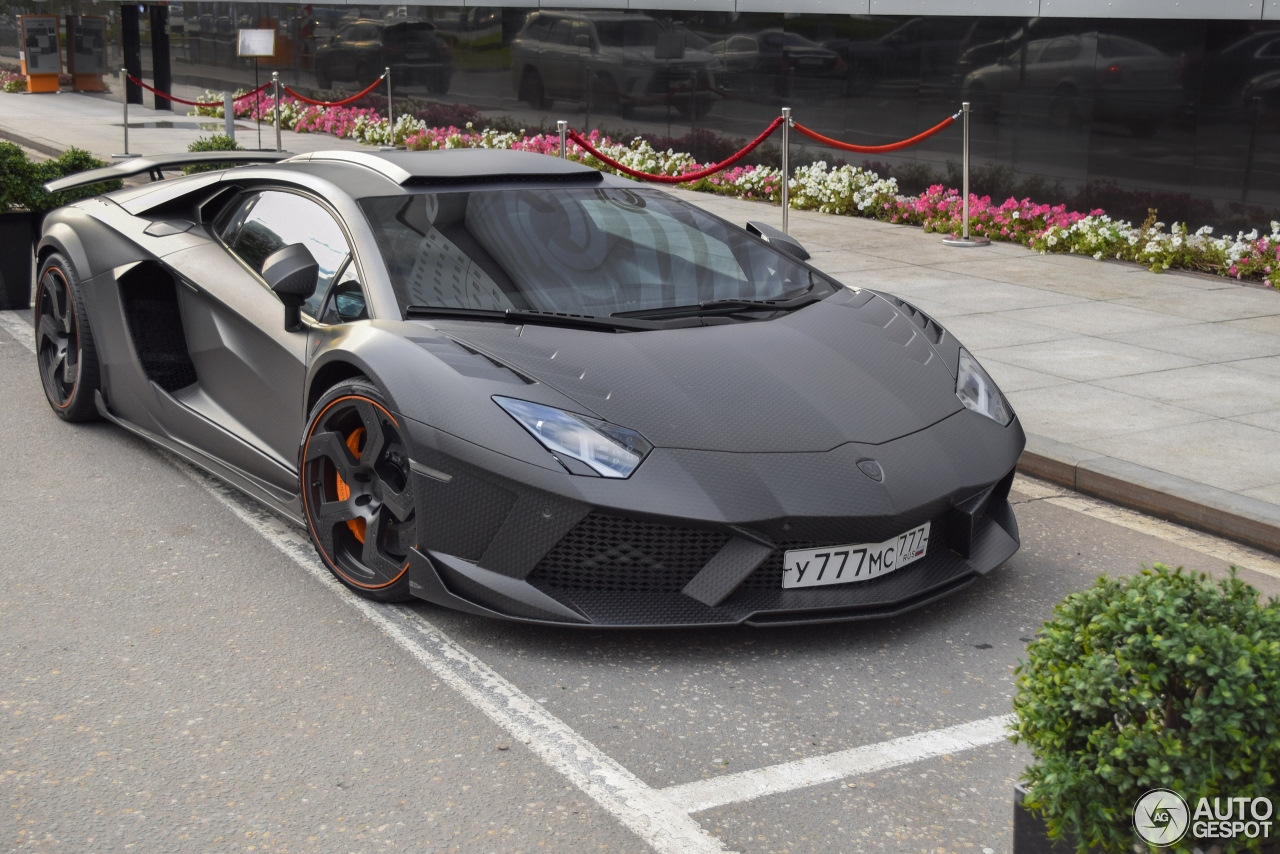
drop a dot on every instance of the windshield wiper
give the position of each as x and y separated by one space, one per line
551 318
719 306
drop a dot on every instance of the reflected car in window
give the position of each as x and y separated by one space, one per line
358 52
615 61
1070 80
772 60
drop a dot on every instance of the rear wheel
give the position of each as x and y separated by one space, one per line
532 91
65 353
356 492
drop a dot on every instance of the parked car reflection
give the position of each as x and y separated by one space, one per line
1237 71
1073 78
413 50
610 60
773 60
921 50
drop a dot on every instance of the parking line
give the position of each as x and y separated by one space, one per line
638 806
660 817
707 794
22 330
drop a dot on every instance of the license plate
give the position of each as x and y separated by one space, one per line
844 564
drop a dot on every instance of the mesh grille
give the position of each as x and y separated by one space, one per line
609 553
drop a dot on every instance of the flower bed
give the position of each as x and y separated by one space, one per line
11 82
848 190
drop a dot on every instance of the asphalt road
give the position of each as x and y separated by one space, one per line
178 674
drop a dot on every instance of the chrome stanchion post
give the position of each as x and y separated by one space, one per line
964 239
563 127
229 115
124 99
275 84
786 166
391 116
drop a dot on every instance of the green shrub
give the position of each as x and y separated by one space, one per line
69 162
1161 680
217 142
16 176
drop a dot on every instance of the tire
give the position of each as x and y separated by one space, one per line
607 97
694 110
1062 109
532 91
357 495
438 81
323 78
65 354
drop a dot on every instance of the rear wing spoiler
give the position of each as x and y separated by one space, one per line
156 165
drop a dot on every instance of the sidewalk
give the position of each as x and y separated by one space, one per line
1159 392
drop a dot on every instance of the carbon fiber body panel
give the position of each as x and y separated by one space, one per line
836 423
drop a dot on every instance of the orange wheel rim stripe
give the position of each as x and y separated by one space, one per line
333 564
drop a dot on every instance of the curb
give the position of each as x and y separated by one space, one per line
1205 508
27 142
1195 505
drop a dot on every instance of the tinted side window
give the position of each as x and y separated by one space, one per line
562 32
268 221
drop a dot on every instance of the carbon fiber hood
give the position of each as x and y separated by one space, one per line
850 368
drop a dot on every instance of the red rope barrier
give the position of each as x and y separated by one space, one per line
875 149
356 97
676 179
206 104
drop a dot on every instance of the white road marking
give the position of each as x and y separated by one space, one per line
639 807
1207 544
802 773
19 328
661 817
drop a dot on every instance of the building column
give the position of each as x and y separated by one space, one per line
160 68
131 44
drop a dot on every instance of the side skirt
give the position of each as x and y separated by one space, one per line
284 503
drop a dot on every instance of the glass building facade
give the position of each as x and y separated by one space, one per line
1122 114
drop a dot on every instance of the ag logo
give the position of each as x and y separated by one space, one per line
1161 817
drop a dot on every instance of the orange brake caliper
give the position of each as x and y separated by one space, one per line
344 492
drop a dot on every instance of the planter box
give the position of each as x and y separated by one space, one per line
1030 836
17 260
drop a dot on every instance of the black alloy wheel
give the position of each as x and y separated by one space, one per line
65 353
356 491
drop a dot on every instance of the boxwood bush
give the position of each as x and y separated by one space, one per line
1162 680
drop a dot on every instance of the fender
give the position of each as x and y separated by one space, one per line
80 236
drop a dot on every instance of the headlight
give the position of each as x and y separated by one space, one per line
609 450
977 391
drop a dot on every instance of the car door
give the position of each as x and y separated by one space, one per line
251 369
562 61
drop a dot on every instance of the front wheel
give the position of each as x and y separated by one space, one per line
67 359
357 496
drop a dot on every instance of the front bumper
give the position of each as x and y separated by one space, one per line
698 539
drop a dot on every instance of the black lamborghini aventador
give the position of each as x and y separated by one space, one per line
518 387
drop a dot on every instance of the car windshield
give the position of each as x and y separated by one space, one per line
593 252
628 33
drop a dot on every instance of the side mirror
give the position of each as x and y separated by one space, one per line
292 274
778 239
582 40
